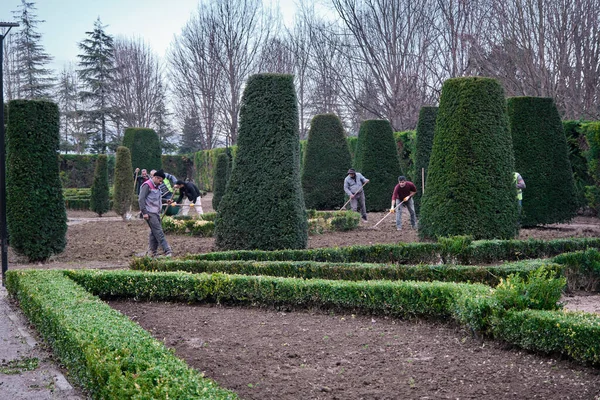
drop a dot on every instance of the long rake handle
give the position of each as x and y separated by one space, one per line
389 213
346 203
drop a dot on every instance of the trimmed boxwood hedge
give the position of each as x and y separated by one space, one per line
99 198
470 188
326 162
145 148
425 132
377 159
263 207
35 209
541 157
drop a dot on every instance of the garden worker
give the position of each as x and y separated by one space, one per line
166 188
140 179
150 203
520 186
190 194
403 194
353 186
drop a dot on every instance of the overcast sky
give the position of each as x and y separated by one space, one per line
155 21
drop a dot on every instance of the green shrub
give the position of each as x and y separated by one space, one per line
99 199
77 170
581 268
377 159
470 188
144 145
263 207
424 143
326 162
541 290
222 171
577 144
592 134
406 147
35 209
123 192
205 162
541 157
182 166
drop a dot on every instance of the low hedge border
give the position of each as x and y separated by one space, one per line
103 350
488 275
582 269
446 251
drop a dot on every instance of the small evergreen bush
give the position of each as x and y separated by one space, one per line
99 200
425 131
326 162
145 148
377 159
592 134
123 192
222 171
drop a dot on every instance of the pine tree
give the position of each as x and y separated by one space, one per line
123 192
96 64
470 187
100 198
222 172
190 135
263 207
34 78
377 159
425 131
67 97
326 162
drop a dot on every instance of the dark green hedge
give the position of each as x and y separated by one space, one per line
377 159
406 142
77 170
326 162
425 131
222 172
263 207
37 219
99 198
592 134
124 191
577 145
541 157
470 188
144 145
182 166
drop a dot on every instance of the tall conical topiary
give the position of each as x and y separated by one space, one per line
377 159
222 172
37 219
100 198
263 207
123 189
144 145
470 188
326 162
425 131
542 159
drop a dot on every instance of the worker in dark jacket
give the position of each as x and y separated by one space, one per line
190 194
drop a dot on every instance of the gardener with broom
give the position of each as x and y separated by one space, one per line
150 202
353 186
403 194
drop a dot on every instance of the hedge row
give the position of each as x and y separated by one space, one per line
488 275
453 250
112 357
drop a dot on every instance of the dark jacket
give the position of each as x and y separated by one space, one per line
189 190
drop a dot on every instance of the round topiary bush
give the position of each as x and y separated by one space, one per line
100 197
37 219
377 159
222 172
542 159
123 192
470 188
144 145
263 207
326 162
425 131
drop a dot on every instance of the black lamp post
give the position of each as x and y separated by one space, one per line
3 230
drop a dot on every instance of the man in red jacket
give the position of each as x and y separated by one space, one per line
403 194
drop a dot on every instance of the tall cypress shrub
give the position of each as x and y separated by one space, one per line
144 145
542 159
470 188
326 162
100 198
592 134
263 207
37 219
425 131
123 191
222 172
577 146
377 159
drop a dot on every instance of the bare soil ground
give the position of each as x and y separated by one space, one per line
275 354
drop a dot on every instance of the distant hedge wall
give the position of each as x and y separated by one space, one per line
145 148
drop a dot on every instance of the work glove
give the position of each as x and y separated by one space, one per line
406 198
392 210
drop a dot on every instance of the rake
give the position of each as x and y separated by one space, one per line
387 214
358 191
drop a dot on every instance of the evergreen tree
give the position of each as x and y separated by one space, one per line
162 121
35 80
263 207
123 192
326 162
38 226
67 97
190 136
425 131
577 144
470 187
96 64
145 148
542 159
100 198
377 159
222 172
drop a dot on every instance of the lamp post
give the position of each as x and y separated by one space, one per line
3 230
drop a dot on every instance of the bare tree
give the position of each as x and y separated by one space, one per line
10 75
